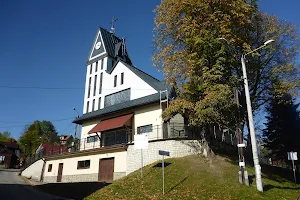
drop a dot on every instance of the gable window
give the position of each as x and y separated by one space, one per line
87 107
85 164
144 129
99 103
115 81
102 64
122 78
93 106
100 87
96 68
91 68
49 167
89 92
117 97
95 82
91 139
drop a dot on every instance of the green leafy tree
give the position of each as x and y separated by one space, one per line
35 134
281 134
204 70
4 137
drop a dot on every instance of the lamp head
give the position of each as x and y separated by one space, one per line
268 42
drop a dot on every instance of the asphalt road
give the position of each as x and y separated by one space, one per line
13 187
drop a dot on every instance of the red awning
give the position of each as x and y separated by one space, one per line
111 124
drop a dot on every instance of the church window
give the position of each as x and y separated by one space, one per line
122 78
89 91
115 81
102 64
91 139
96 68
95 82
117 97
93 106
49 167
91 68
99 103
87 107
100 88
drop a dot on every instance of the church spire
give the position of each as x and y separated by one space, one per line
112 29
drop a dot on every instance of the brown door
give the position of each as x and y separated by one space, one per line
60 170
106 169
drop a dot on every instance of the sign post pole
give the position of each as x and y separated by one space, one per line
294 172
163 174
142 163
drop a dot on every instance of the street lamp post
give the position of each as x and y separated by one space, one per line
250 119
250 116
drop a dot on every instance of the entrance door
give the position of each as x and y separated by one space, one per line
60 170
106 169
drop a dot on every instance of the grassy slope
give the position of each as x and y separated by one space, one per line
194 177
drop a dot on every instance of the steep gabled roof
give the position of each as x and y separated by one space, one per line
110 41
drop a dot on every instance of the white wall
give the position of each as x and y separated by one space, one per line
34 171
149 115
139 88
70 164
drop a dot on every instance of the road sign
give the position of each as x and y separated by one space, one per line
292 156
141 141
164 153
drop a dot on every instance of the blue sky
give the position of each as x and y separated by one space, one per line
45 44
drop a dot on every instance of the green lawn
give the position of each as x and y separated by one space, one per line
195 177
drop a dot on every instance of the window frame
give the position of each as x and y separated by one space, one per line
50 168
115 80
84 164
139 131
89 139
122 78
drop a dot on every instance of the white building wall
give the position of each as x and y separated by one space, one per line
139 88
71 173
34 171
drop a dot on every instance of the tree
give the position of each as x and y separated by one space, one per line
281 134
204 70
4 136
35 134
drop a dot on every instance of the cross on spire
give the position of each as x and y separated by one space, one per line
113 24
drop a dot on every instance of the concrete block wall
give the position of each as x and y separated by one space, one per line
177 148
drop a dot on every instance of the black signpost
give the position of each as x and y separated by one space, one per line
163 153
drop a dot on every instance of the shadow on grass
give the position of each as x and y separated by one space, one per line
159 165
180 182
72 190
269 187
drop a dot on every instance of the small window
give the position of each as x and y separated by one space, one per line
100 87
96 68
93 106
92 139
95 82
115 81
89 91
102 64
87 107
144 129
99 103
85 164
49 167
122 78
91 68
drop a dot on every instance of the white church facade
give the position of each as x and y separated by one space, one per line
120 101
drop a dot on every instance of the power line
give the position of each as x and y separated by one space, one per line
62 88
26 123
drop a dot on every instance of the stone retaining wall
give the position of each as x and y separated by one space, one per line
177 148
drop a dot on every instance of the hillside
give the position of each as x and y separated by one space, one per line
195 177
